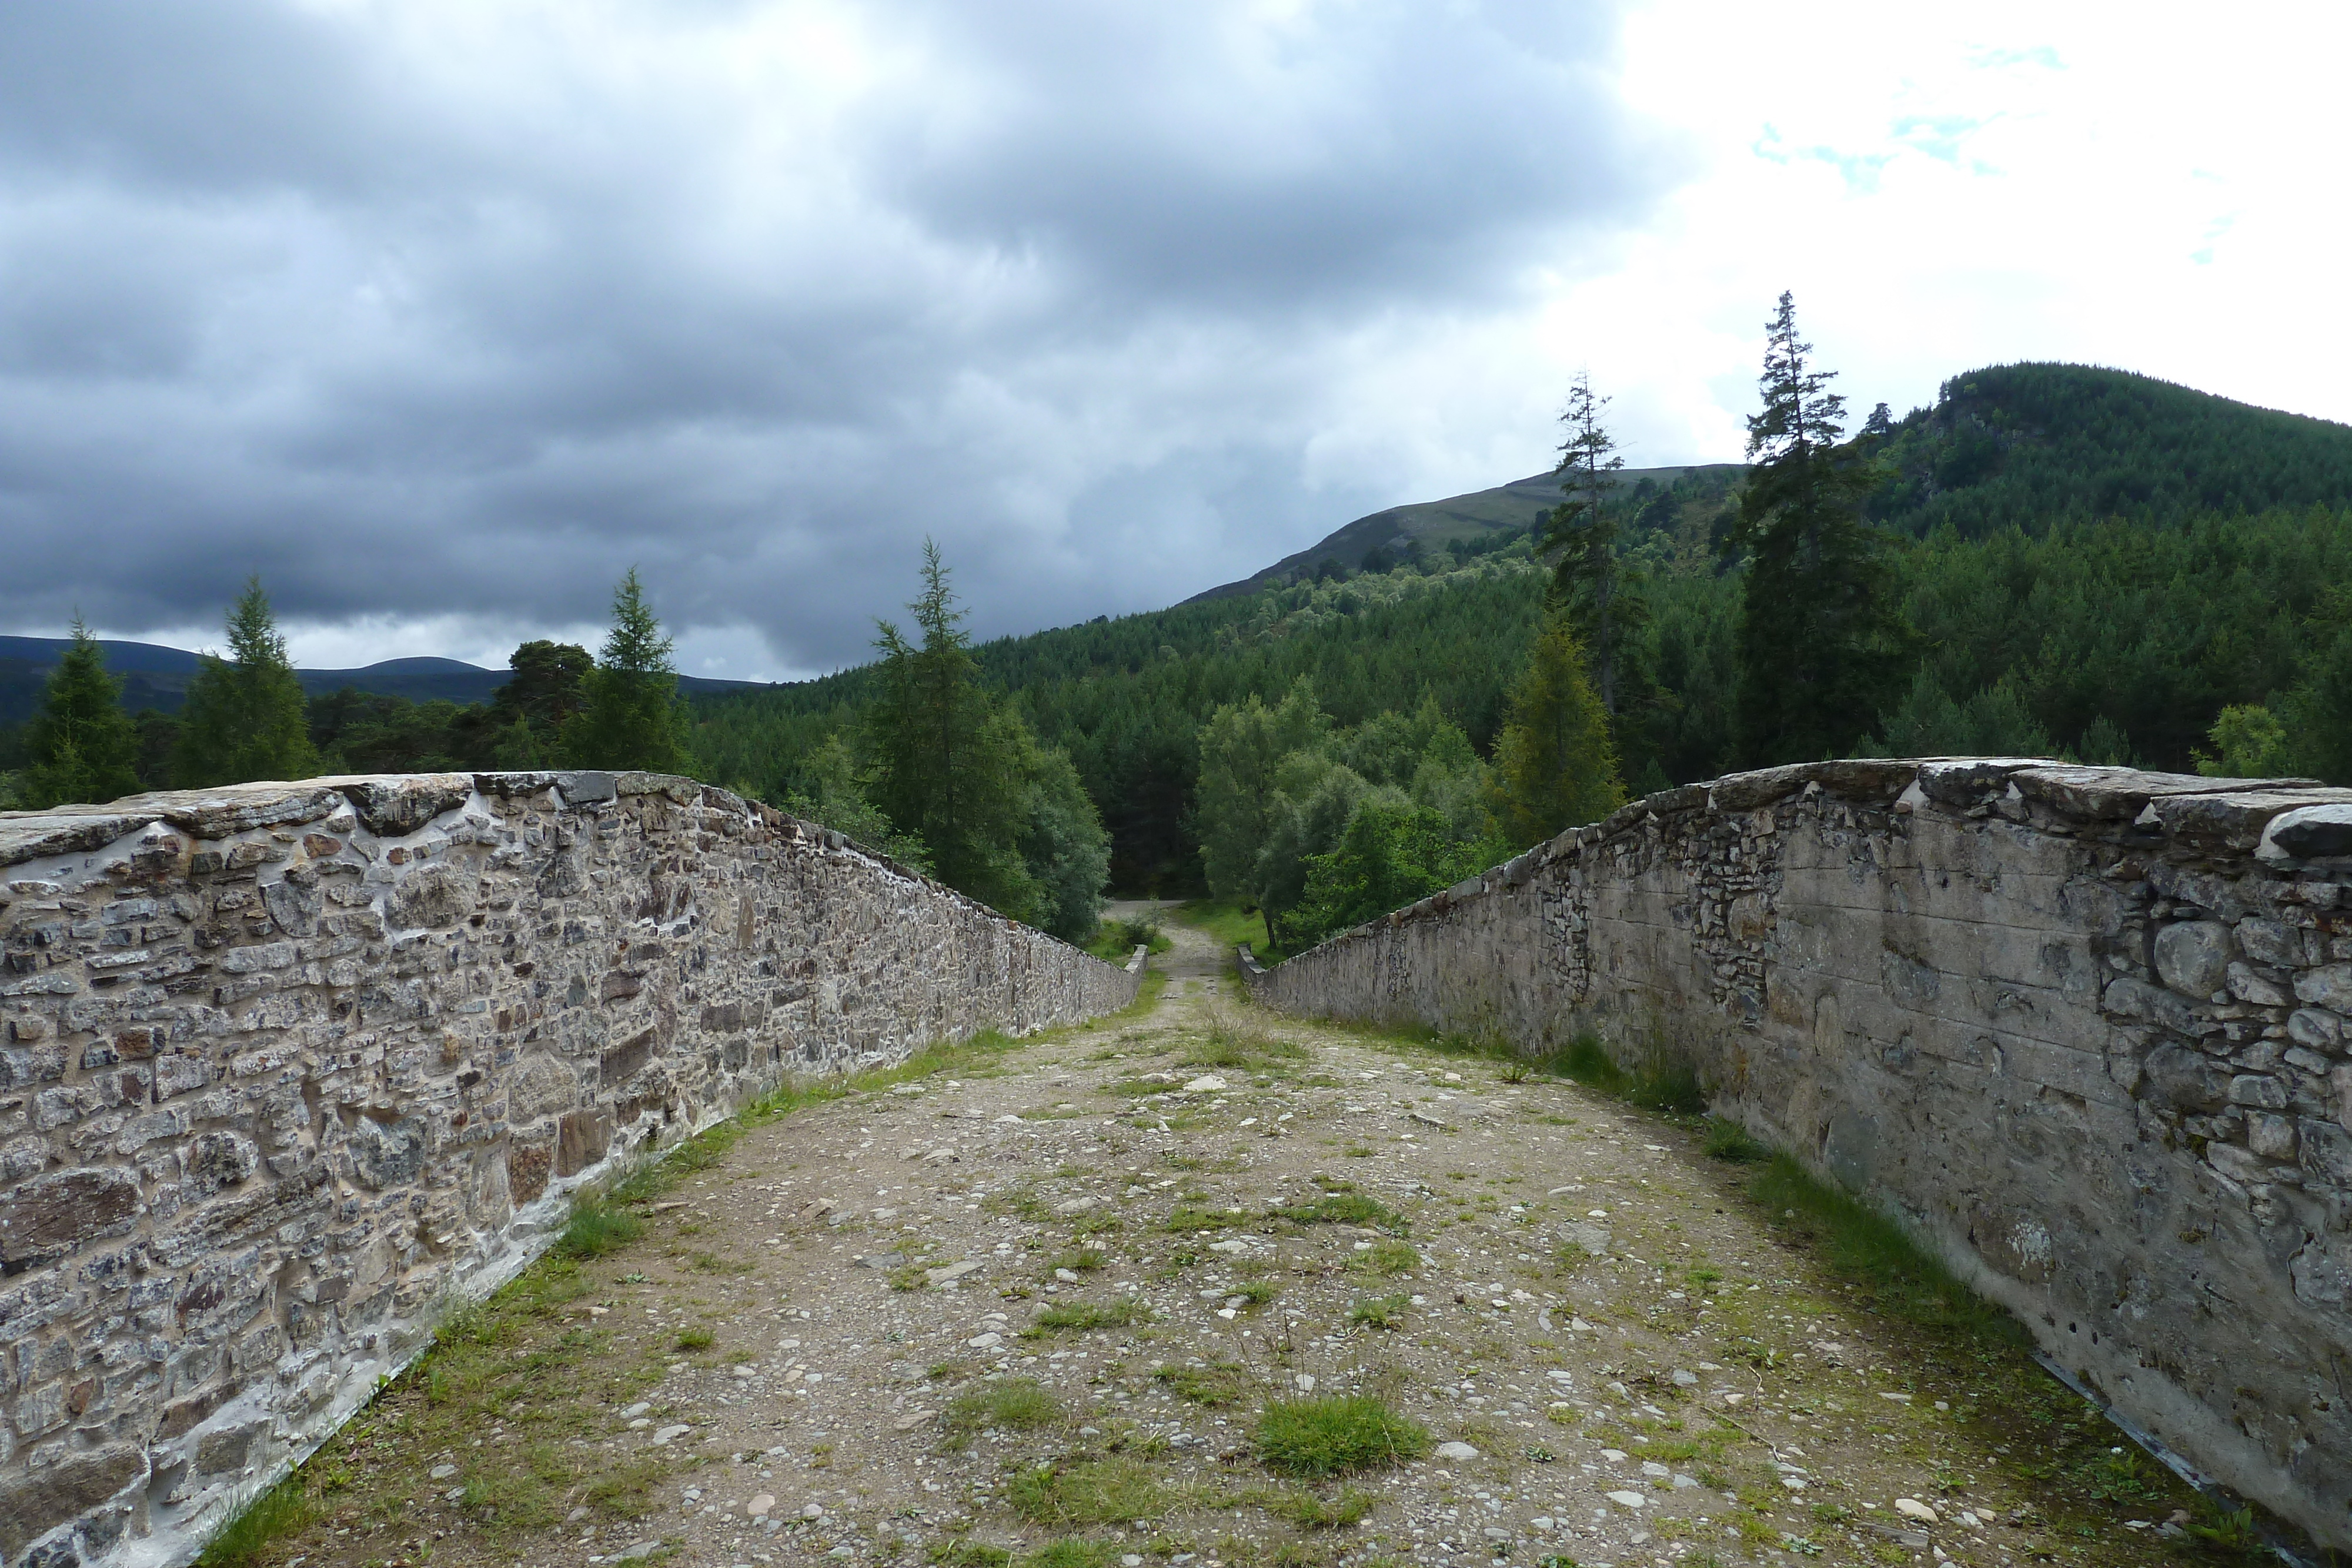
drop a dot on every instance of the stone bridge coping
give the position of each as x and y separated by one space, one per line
389 805
2285 823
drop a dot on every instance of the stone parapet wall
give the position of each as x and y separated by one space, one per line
2087 1031
287 1069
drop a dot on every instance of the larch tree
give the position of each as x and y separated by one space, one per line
1821 647
629 714
1555 766
82 745
246 717
946 767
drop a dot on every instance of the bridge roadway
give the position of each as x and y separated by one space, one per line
806 1356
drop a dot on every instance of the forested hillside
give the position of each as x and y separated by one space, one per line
2087 562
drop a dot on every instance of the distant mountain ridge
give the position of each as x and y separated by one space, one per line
2029 443
157 676
1438 524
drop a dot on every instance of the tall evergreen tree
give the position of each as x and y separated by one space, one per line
82 746
245 718
629 715
1820 646
945 767
1590 579
1554 764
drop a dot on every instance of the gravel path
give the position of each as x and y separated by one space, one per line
865 1334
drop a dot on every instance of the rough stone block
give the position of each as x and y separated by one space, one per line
51 1216
2192 956
32 1504
581 1140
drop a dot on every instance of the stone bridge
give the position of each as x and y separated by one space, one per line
287 1069
2088 1031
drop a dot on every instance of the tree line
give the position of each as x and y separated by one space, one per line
246 716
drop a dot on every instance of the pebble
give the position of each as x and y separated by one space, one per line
1633 1500
761 1505
667 1435
1456 1450
1208 1083
441 1472
1912 1508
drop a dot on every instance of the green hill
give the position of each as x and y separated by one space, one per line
2029 445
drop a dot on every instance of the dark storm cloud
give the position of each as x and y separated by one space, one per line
426 313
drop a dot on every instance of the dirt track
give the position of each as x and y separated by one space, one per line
822 1347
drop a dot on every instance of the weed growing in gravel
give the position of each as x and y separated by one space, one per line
695 1339
1089 1491
1318 1438
1379 1312
1079 1316
971 1554
1082 1259
1193 1217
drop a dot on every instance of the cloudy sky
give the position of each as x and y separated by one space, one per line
442 315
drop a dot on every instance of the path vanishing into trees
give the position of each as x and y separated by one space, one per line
1032 1302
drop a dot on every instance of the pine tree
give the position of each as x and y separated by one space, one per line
244 718
82 745
1590 579
1820 647
1554 765
629 715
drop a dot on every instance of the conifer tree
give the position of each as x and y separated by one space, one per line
1555 768
1820 646
82 745
629 715
945 767
245 718
1590 581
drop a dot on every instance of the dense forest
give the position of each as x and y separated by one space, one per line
2053 560
2052 609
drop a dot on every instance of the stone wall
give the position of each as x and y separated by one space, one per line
285 1068
2088 1030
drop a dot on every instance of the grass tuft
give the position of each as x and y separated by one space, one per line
262 1519
1344 1209
1087 1491
1731 1141
1078 1317
1318 1438
1379 1312
598 1225
1387 1258
1017 1404
1309 1511
1218 1384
